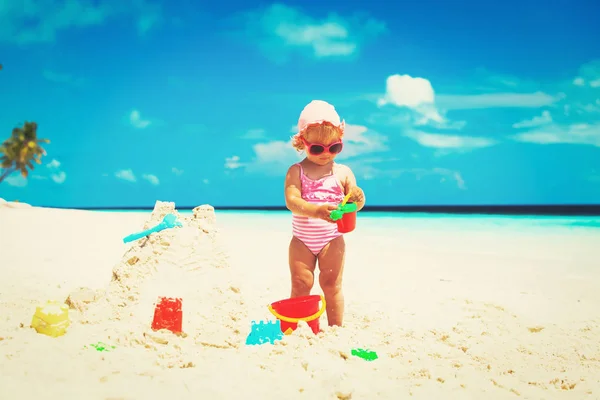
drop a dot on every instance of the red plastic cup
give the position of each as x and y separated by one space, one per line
347 223
168 315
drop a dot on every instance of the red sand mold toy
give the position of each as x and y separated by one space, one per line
168 315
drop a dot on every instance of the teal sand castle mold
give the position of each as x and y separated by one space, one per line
264 332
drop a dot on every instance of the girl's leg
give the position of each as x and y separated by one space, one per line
331 268
302 268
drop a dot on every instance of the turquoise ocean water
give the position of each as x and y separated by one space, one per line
392 220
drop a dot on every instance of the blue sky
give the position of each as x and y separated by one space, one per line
446 104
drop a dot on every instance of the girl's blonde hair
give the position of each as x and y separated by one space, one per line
322 133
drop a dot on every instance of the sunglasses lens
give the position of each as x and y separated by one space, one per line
336 148
316 149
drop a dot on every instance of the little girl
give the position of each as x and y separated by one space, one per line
313 188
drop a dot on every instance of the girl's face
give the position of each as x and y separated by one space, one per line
322 143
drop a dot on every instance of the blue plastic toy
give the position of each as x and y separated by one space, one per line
264 332
169 221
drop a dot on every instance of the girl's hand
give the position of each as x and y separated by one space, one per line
324 212
356 195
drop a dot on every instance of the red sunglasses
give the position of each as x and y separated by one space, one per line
315 149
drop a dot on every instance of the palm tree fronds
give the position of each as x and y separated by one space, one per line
21 150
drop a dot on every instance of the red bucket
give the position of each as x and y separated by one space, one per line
168 315
304 308
347 223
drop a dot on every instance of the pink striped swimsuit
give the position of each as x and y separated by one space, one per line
313 232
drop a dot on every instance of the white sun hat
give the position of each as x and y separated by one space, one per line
318 112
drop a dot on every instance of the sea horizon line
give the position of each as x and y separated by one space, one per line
513 209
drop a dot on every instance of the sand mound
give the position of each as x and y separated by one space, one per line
478 333
184 262
13 204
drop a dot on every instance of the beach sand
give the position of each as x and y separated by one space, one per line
482 313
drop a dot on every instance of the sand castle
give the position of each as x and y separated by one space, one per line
13 204
163 264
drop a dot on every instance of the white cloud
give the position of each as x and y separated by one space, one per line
404 90
592 108
57 175
325 38
393 117
60 78
418 95
52 168
444 174
579 108
389 118
16 179
583 134
153 179
151 18
126 175
444 124
60 177
254 134
368 170
543 119
449 142
589 73
582 82
53 164
129 176
414 93
177 171
41 22
233 162
360 140
281 30
136 120
276 152
273 157
496 100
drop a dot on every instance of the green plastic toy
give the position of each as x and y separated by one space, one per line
100 346
341 210
365 354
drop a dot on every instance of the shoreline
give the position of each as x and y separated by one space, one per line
559 210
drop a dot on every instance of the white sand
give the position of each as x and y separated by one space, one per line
482 314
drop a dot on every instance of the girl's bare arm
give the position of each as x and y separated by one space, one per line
293 194
358 196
